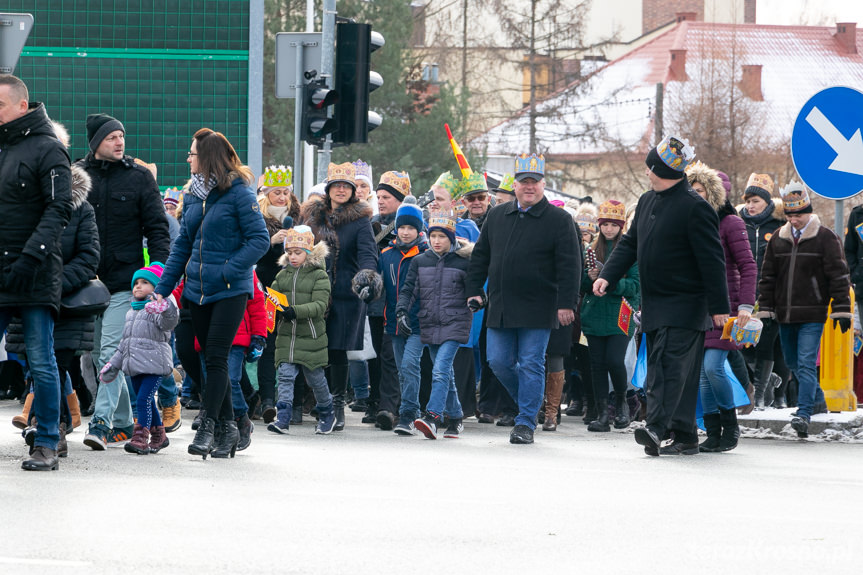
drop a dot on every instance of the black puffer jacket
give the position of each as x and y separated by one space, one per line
128 208
35 204
80 248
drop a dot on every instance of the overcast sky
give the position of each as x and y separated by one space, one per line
809 12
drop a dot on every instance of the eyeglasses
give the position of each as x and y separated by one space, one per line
477 198
190 154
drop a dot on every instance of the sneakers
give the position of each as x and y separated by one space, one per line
521 435
171 417
326 421
679 447
428 425
97 437
405 426
453 428
120 434
279 427
801 426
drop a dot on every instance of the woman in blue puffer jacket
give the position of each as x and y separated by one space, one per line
222 236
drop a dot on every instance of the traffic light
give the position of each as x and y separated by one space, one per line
317 98
354 81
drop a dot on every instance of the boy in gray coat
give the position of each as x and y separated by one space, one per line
145 354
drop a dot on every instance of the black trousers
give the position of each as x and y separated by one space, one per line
215 325
389 389
376 328
608 358
674 358
267 371
493 397
184 343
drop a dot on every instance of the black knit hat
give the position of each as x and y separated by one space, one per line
660 168
99 126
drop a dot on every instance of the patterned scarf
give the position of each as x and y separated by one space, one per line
200 189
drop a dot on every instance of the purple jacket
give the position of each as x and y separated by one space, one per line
740 271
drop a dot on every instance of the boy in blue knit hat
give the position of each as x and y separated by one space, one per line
393 265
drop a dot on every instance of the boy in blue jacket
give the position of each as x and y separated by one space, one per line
437 280
393 265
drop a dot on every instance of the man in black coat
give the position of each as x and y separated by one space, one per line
528 252
36 203
674 237
128 208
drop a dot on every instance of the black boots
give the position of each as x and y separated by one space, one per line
337 379
713 425
203 443
763 369
601 421
621 412
245 427
42 459
730 429
229 439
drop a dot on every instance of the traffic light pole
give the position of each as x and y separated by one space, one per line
328 44
298 123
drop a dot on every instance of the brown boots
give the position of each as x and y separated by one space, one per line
158 438
140 442
74 409
553 390
20 421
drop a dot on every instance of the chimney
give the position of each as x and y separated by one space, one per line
678 64
686 16
750 82
846 33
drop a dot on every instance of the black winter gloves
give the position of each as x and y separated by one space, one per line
403 324
290 314
22 274
844 324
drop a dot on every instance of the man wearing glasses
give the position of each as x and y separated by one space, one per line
128 209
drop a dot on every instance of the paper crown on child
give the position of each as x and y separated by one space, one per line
341 173
585 217
151 273
612 211
278 177
300 237
472 184
363 171
795 198
442 220
396 183
172 197
449 183
529 166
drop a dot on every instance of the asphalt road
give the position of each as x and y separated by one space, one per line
367 501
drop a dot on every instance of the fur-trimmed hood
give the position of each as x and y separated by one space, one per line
464 249
317 257
710 181
314 213
81 185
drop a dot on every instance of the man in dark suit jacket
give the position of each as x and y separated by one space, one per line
528 251
674 237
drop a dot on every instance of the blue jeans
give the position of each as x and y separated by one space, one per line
517 358
359 376
443 399
168 392
800 343
113 401
39 341
236 357
714 385
408 352
286 375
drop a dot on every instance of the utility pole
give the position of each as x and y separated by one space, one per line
328 42
532 148
657 118
308 179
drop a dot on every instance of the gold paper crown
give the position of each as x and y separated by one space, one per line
763 181
585 217
794 197
398 181
300 237
445 220
341 173
612 210
278 177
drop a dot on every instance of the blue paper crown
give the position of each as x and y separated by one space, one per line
532 163
676 153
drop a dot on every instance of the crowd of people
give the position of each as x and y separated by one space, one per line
232 298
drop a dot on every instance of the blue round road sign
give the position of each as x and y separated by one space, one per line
826 144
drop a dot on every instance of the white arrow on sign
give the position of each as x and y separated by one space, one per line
849 153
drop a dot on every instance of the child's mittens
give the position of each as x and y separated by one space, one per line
156 306
403 326
108 373
256 348
290 314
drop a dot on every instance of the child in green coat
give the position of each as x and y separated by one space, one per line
301 340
